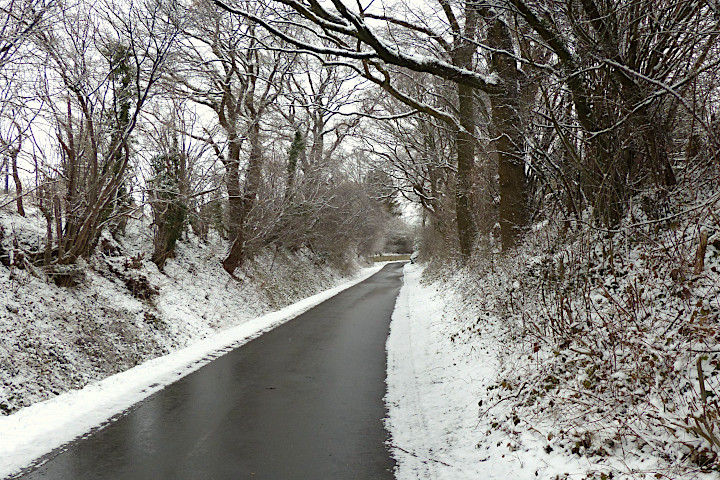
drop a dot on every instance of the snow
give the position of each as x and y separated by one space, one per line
478 386
432 400
447 356
42 427
433 391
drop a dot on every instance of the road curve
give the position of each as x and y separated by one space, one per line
303 401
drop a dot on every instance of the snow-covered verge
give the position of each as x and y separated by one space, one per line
587 354
437 427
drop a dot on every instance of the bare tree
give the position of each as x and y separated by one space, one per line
628 65
347 33
19 20
625 94
11 153
318 110
101 71
417 152
232 75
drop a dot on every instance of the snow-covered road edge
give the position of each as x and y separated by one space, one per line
40 428
431 398
434 384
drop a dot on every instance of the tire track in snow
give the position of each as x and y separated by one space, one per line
407 420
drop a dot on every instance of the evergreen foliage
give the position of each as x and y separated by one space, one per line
169 206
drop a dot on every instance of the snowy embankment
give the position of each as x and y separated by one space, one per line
433 391
458 407
36 430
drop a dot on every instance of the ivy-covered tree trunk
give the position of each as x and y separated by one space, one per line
168 206
296 148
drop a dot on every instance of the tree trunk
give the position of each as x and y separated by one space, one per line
237 254
5 170
18 184
235 208
464 57
465 169
254 170
509 142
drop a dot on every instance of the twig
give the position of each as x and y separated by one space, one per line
422 459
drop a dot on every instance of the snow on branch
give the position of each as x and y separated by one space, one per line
353 25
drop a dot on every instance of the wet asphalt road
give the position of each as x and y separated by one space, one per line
303 401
